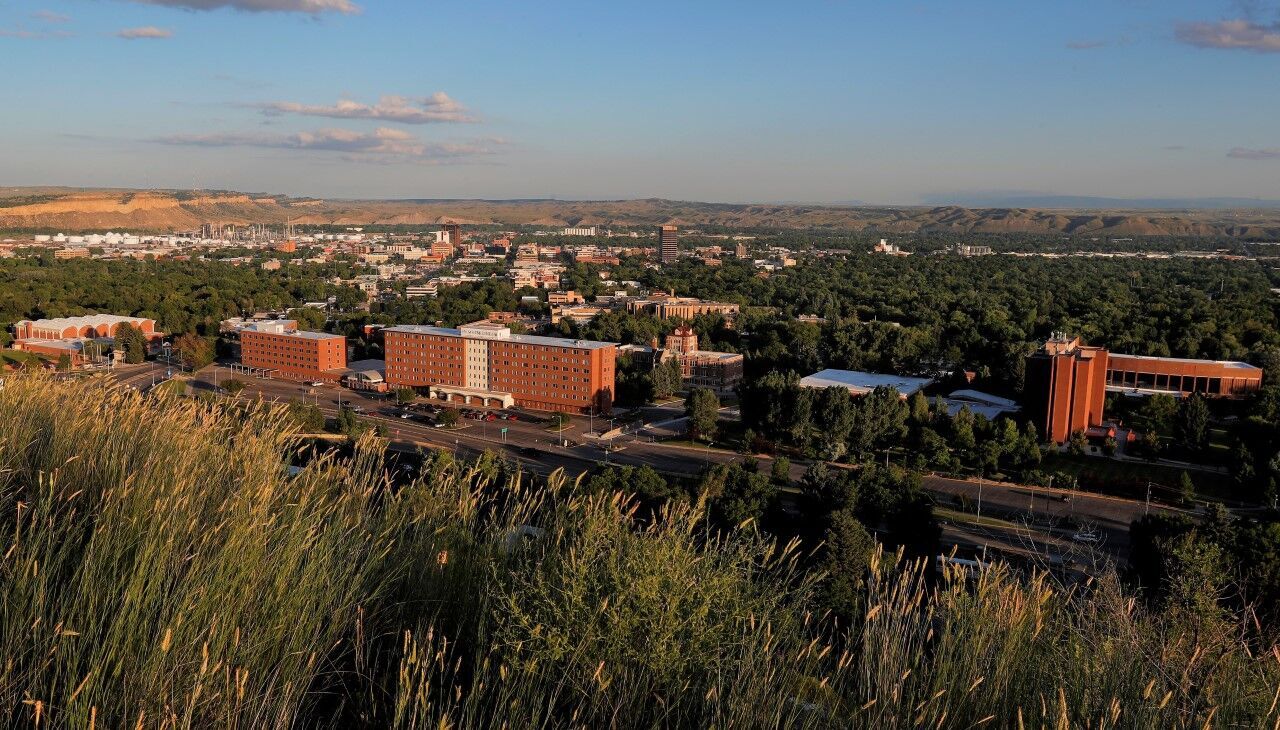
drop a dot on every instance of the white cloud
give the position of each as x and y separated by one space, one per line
48 16
1240 35
1244 153
146 31
437 108
310 7
381 145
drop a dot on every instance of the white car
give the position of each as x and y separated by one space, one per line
1087 537
317 384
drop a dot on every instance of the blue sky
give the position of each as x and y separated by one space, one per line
806 100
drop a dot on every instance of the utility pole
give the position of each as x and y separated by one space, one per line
1147 507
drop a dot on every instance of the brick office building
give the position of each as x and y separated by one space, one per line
1182 376
719 371
666 306
1066 382
293 354
484 364
1065 386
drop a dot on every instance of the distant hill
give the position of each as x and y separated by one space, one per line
1086 202
69 210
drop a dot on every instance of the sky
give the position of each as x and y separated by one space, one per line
820 101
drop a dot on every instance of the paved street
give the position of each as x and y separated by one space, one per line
1046 515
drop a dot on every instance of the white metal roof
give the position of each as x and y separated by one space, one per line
861 382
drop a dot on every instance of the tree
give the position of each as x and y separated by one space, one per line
193 351
748 443
560 420
1192 426
448 417
64 362
404 396
880 420
666 379
834 409
1078 444
847 556
702 408
1159 410
308 318
132 341
1028 447
919 409
233 387
962 436
745 493
348 423
1186 488
306 416
935 451
780 472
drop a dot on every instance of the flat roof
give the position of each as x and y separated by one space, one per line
715 354
367 366
863 382
274 328
422 329
88 319
1191 361
977 396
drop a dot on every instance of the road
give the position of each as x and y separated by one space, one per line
1047 515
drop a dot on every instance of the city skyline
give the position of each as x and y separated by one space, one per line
822 102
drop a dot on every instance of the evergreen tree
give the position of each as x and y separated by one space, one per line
1193 423
847 556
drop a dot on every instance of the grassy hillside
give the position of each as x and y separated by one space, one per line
159 567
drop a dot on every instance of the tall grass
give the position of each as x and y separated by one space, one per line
159 568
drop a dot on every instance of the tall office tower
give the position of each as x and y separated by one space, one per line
453 233
1065 387
668 244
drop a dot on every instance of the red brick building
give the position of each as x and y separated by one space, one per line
1065 386
75 336
1066 382
293 354
1182 376
484 364
89 325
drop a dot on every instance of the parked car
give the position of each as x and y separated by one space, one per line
490 417
1085 537
316 384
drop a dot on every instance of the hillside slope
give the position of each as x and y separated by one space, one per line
83 210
